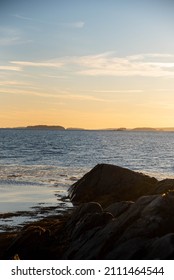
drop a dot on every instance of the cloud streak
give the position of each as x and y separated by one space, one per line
57 95
108 64
23 17
9 68
74 24
8 36
11 36
38 64
119 91
13 83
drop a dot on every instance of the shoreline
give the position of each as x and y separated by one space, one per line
34 214
117 214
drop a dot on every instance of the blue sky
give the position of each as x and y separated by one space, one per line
91 64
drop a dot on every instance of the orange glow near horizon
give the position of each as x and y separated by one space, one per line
90 114
62 65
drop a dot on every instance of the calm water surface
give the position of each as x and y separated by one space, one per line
38 166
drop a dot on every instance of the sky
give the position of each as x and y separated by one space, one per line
87 63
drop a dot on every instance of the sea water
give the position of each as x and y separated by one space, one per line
38 166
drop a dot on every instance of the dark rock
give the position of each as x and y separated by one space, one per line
6 239
91 221
117 208
85 221
29 244
129 236
132 249
107 184
80 212
162 248
164 186
152 220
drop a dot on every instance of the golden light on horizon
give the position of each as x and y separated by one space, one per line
92 114
56 70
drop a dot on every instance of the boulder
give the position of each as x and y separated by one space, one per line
107 183
164 186
132 235
80 213
117 208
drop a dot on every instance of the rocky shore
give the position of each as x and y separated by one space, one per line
118 214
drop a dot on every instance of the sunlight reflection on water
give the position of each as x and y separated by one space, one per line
39 166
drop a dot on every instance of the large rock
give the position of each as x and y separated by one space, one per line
79 214
117 208
107 183
135 234
164 186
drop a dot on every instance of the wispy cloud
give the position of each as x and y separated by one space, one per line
150 55
11 36
13 83
118 91
82 97
17 91
55 95
73 24
78 24
55 76
6 41
108 64
22 17
38 64
10 68
162 64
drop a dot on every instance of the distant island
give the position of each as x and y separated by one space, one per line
122 129
75 128
45 127
144 129
152 129
51 127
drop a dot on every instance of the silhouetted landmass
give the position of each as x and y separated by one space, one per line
58 127
121 129
74 128
46 127
166 129
144 129
115 129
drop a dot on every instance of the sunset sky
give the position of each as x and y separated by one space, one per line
87 63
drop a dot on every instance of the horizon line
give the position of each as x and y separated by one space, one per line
141 128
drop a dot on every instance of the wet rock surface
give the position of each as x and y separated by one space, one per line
124 225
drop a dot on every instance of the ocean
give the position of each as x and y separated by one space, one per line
38 166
